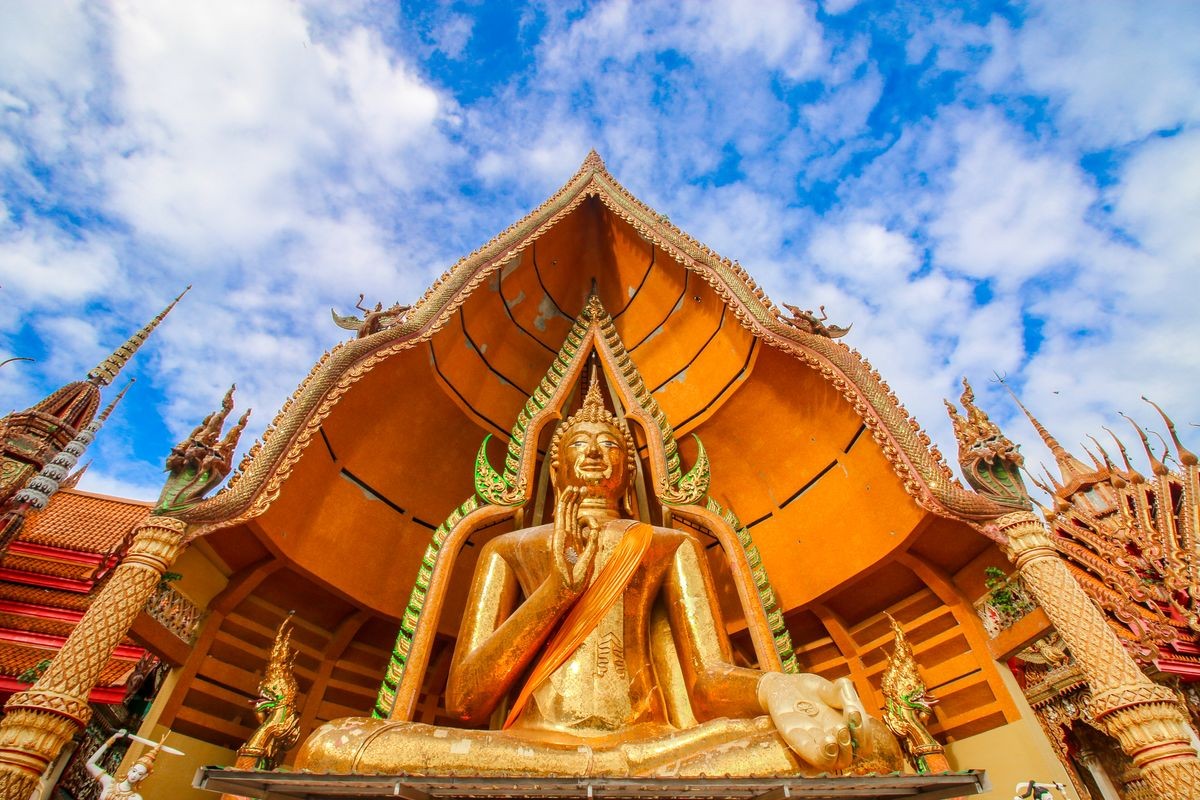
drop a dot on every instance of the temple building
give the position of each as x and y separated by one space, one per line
1061 643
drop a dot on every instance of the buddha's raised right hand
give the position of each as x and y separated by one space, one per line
574 543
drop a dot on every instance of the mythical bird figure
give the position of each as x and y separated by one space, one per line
809 322
373 319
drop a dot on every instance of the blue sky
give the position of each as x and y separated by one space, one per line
979 188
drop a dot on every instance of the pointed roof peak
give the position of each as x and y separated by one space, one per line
1068 465
109 368
593 161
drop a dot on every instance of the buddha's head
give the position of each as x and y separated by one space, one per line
593 449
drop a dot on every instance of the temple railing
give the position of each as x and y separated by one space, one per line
175 612
1003 605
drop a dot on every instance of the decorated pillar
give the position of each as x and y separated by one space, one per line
1145 718
42 719
1142 716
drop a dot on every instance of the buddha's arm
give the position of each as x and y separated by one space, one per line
496 644
717 687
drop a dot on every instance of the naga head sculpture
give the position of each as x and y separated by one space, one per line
990 461
908 704
200 461
275 706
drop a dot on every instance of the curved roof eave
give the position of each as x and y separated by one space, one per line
268 463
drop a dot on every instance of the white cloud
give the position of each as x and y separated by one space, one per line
866 254
45 268
105 482
453 33
1158 199
1119 70
229 138
43 44
784 34
1009 214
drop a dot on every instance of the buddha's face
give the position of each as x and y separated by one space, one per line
592 454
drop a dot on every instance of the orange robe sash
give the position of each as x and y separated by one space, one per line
589 609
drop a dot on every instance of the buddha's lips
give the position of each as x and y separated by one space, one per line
594 472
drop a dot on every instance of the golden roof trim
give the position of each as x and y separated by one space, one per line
259 478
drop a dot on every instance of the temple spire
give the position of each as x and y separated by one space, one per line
36 494
107 370
1068 465
104 415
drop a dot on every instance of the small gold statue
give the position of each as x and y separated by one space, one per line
908 706
275 707
617 626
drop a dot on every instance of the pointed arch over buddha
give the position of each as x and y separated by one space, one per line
598 639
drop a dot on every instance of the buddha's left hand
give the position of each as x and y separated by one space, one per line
821 721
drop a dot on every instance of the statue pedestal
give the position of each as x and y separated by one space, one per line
272 785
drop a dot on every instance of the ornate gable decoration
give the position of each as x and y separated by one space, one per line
269 462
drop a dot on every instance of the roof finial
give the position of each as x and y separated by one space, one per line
593 161
1114 477
120 396
1185 456
1156 466
1068 465
1134 475
107 370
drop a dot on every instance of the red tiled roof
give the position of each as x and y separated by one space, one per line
83 521
38 595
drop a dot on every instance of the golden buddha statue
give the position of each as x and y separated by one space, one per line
616 658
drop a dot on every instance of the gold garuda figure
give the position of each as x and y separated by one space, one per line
604 636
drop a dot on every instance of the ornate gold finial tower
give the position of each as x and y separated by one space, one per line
30 439
37 493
